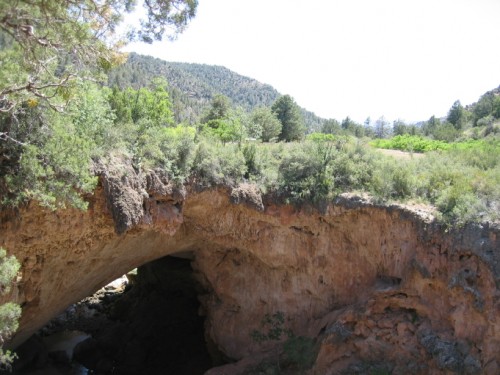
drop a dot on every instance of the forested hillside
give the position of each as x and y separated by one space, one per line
193 86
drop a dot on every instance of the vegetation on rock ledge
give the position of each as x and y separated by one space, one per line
55 130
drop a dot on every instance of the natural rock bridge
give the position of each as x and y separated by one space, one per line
373 283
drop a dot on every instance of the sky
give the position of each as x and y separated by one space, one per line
401 59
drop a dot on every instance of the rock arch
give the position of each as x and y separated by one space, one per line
320 268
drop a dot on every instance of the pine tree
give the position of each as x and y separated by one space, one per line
288 112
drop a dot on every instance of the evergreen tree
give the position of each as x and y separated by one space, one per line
51 44
288 113
347 123
431 125
351 127
399 127
484 107
331 126
382 128
457 115
219 109
265 124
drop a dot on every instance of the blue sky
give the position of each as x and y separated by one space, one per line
394 58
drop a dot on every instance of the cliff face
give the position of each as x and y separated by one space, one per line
373 284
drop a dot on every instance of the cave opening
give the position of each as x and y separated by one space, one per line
160 329
154 325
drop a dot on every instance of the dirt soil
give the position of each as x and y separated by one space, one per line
401 154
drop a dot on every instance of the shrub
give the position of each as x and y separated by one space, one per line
9 312
300 353
352 167
52 172
268 157
320 137
410 143
93 118
216 164
305 174
171 149
249 153
459 204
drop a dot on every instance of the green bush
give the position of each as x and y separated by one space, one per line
9 312
412 143
394 179
216 164
93 118
352 167
321 137
249 153
300 353
170 149
52 163
52 172
305 173
268 157
459 204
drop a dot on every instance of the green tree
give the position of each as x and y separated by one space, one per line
382 129
331 126
119 101
399 127
266 125
51 170
496 106
153 104
9 312
93 117
56 42
224 122
351 127
431 125
347 123
144 104
288 113
369 132
227 130
53 163
484 107
446 132
219 108
457 115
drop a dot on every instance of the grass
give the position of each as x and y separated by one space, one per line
414 143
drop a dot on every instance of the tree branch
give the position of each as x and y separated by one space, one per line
5 137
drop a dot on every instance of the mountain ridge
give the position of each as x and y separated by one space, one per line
192 86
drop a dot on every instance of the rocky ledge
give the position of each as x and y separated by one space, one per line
375 288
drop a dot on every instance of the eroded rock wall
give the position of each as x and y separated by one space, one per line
371 283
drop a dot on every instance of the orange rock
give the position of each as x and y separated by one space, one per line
305 264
